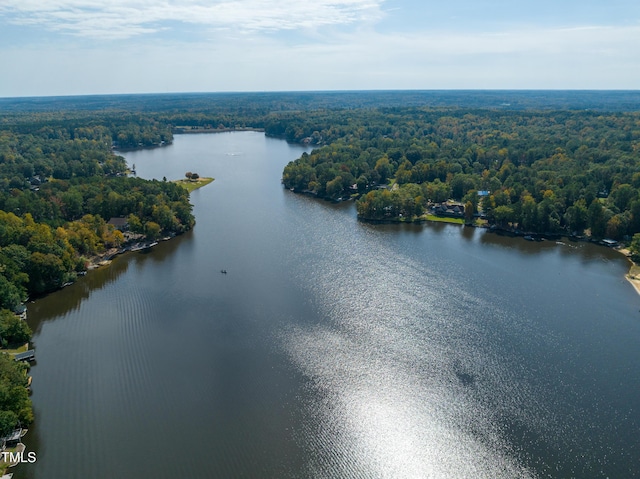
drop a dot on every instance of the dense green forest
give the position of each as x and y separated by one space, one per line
546 172
15 404
60 183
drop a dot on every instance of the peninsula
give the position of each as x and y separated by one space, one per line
193 184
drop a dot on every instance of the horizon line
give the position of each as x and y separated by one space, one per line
382 90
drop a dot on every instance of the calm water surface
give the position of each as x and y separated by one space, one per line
333 348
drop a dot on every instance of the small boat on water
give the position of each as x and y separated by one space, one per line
223 271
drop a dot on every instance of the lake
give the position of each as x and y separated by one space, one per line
332 348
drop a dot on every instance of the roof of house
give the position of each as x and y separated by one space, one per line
118 221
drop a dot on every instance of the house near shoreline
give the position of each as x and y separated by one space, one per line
451 209
119 223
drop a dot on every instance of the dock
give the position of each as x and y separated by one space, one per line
29 355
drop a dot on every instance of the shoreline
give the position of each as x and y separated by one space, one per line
140 242
107 257
633 276
188 130
634 282
136 244
192 185
420 220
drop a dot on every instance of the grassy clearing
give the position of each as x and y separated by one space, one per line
191 185
444 219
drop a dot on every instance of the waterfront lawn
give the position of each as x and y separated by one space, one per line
191 185
445 219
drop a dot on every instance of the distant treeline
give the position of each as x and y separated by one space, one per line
260 103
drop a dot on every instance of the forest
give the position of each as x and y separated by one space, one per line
539 162
569 172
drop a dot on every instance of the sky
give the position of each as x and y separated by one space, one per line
79 47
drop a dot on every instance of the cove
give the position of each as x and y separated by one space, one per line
332 348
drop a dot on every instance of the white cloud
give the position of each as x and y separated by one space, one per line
126 18
533 40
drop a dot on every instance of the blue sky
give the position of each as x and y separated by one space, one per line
68 47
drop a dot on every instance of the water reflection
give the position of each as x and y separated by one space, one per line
59 303
586 250
468 233
68 299
335 348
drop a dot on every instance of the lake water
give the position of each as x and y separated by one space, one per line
333 348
